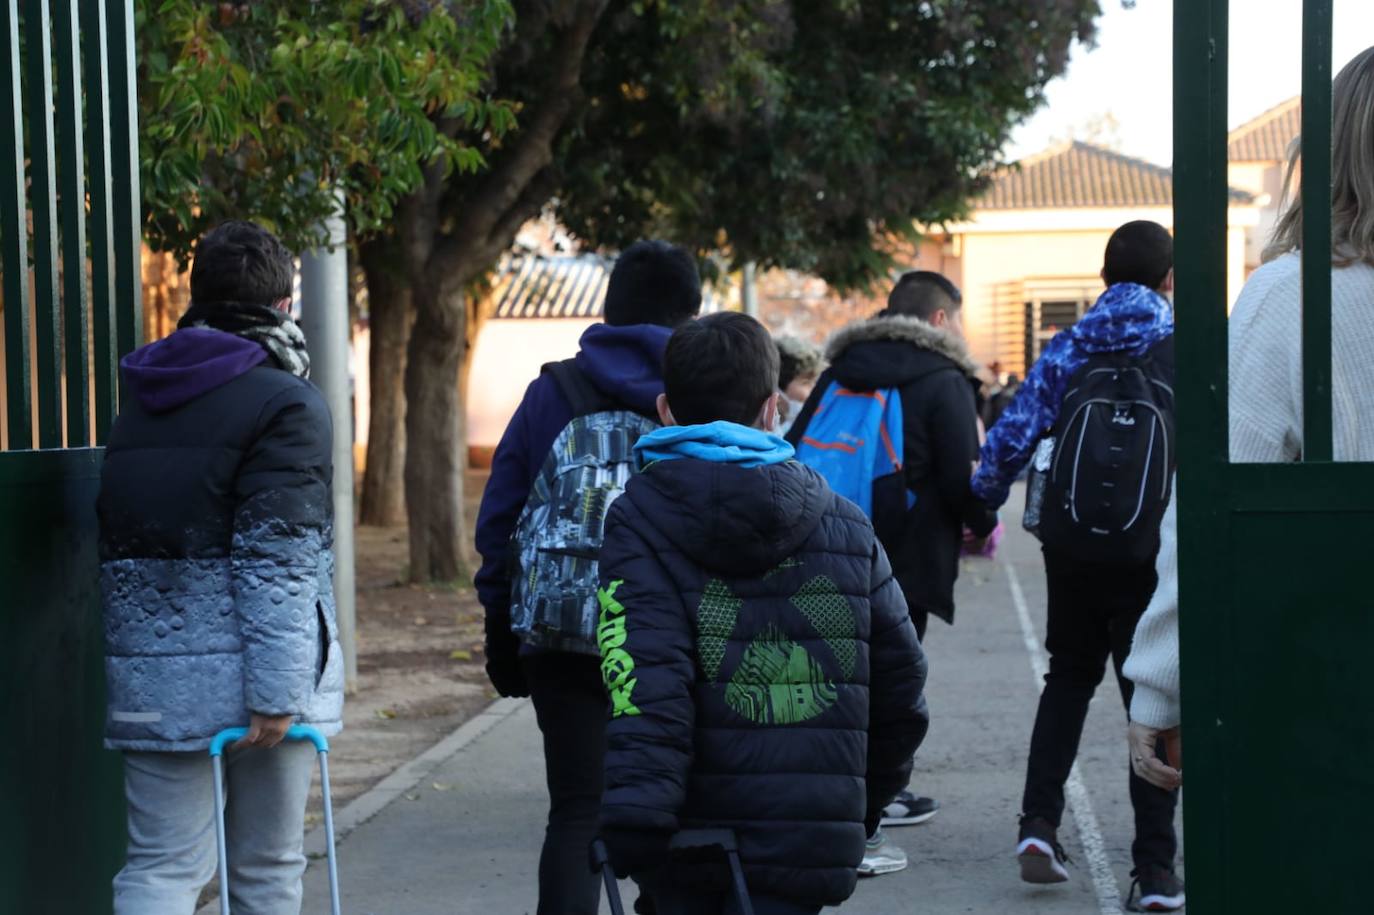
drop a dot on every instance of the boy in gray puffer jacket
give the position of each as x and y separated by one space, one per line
216 572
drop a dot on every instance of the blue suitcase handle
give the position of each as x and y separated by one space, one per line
295 732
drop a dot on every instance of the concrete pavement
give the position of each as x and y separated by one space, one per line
465 838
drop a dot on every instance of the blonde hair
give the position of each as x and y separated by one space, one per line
1352 172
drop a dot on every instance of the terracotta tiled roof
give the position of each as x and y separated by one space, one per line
1078 174
1266 138
530 285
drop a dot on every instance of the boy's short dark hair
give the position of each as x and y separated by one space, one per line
653 282
1139 252
240 261
921 293
723 366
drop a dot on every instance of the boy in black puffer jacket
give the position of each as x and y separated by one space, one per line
763 670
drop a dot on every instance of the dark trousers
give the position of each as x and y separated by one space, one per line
920 619
1093 611
571 706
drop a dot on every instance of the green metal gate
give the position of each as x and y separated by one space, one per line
1276 619
70 275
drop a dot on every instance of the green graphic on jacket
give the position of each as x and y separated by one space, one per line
778 681
616 663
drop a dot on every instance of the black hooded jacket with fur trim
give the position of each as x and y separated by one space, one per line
932 369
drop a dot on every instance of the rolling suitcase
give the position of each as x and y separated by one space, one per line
690 843
295 732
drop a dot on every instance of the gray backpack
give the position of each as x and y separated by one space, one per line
558 537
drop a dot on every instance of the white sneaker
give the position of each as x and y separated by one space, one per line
882 857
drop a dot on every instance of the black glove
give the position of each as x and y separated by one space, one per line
636 851
503 663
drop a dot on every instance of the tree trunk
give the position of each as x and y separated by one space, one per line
390 313
434 435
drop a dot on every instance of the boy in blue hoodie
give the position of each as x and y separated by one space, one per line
765 676
1093 604
562 460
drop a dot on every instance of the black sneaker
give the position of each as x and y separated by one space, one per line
1042 857
1160 890
907 809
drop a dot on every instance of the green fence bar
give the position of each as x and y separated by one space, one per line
1201 199
14 236
128 201
97 71
71 168
43 204
1316 229
1200 204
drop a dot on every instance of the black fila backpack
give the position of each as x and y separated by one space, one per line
1104 487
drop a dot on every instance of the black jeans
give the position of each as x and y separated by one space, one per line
1093 611
571 706
920 619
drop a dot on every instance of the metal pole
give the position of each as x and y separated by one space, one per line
749 293
324 319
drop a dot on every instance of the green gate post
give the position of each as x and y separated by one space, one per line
1275 618
62 828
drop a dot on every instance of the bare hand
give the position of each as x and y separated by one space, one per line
265 731
1143 742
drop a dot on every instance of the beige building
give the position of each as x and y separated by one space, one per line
1028 258
1258 153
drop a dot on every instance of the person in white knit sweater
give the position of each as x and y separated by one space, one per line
1266 388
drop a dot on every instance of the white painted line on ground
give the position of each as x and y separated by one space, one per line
1080 803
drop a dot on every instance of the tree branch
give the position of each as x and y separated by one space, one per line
492 213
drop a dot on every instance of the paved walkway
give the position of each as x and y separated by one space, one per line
465 837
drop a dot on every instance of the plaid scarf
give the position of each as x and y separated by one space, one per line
273 330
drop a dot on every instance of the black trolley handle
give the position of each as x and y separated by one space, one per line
601 863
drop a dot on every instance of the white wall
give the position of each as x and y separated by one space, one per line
508 356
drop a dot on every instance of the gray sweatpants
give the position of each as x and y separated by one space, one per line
172 855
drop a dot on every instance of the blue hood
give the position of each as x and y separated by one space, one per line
626 363
718 442
1126 317
172 372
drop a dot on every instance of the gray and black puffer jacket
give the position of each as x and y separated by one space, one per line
216 547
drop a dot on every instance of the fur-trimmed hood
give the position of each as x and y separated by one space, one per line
890 351
906 330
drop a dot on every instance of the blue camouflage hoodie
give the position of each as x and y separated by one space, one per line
1126 318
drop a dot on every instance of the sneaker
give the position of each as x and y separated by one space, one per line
881 857
1160 890
1042 857
907 809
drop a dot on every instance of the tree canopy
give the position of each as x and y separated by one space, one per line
811 134
803 133
263 110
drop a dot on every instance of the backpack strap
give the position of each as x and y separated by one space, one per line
808 410
1162 354
584 397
